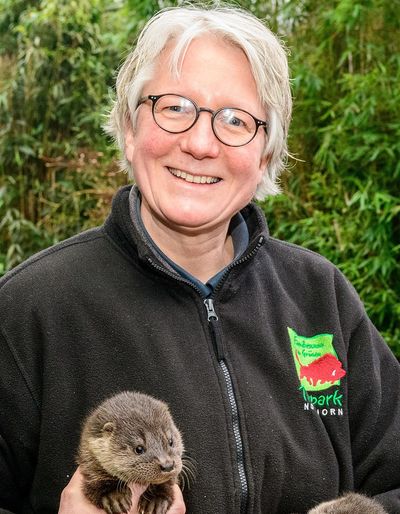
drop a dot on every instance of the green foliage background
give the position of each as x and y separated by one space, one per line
58 171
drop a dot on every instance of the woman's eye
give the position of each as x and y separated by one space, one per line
236 122
139 450
175 108
231 119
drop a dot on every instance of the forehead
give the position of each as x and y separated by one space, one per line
209 69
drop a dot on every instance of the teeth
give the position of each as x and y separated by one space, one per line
197 179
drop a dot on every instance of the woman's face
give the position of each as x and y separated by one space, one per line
214 75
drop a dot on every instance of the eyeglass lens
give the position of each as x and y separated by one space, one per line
175 113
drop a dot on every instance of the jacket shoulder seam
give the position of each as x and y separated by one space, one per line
45 253
22 371
300 249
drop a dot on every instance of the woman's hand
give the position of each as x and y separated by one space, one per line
73 501
178 505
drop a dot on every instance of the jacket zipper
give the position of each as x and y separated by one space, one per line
212 318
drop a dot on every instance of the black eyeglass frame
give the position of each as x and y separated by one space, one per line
155 98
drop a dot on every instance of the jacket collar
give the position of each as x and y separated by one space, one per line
126 234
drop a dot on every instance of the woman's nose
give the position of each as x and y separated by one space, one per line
200 140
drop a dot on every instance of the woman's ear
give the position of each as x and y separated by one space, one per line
264 160
129 143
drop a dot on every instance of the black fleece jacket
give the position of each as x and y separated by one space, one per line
284 391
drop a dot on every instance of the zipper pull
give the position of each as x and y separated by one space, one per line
215 329
211 314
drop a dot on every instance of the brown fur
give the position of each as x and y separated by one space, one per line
130 438
351 503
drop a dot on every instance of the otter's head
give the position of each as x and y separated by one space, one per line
132 437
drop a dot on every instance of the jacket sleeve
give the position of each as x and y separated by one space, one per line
18 426
8 489
374 410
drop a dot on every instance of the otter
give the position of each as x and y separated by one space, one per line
351 503
130 438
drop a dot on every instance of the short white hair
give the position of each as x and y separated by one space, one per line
265 53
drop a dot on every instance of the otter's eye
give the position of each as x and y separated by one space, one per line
171 441
140 449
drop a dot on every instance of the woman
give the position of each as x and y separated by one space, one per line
263 351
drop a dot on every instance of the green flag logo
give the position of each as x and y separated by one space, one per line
316 361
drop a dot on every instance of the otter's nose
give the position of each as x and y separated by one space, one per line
167 466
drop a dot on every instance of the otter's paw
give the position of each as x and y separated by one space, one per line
157 499
117 502
351 503
155 506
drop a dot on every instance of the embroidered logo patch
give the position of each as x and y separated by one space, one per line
317 365
318 369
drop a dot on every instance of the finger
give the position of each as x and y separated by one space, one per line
73 500
137 491
178 505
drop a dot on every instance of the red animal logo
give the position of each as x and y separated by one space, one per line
324 369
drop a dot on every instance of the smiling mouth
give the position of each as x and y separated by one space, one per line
196 179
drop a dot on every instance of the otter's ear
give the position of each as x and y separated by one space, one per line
108 428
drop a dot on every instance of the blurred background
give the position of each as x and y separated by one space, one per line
341 194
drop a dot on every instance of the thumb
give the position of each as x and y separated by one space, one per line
178 505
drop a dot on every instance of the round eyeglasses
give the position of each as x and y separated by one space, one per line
231 125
